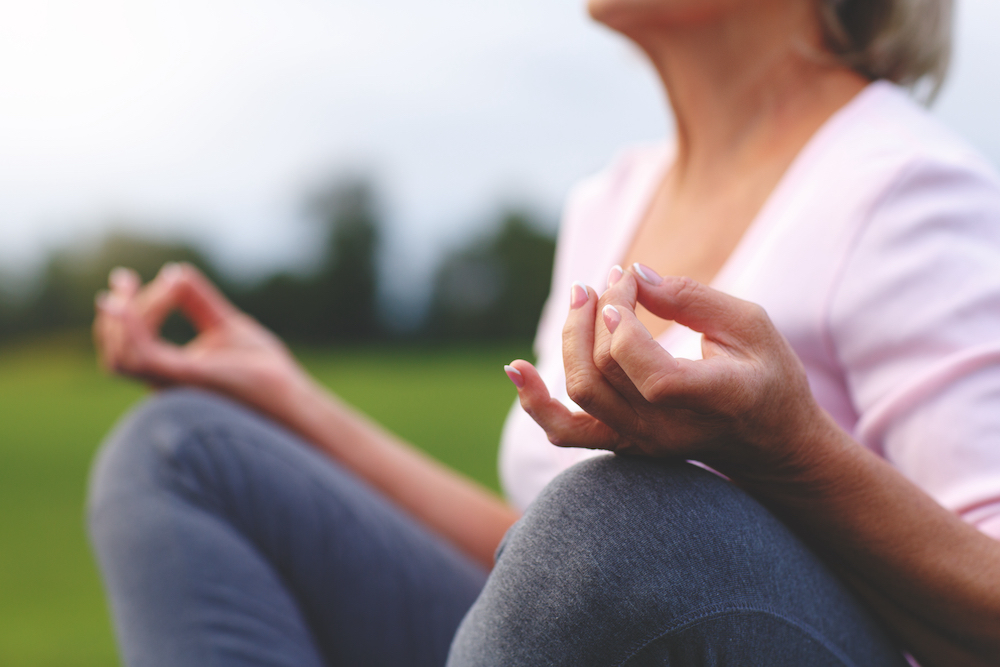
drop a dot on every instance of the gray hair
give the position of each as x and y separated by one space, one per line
905 41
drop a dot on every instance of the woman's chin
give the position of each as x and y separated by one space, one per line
623 15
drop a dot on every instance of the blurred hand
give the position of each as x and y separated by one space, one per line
231 354
746 406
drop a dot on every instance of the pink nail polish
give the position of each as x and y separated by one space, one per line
170 271
615 275
113 305
121 278
612 318
647 274
514 375
578 295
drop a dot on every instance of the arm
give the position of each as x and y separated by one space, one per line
452 505
747 411
932 579
235 356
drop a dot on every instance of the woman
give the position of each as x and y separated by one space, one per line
868 234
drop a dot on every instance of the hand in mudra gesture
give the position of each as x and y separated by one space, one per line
745 407
231 354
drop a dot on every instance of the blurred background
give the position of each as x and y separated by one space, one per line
400 162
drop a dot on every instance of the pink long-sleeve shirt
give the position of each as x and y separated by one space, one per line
878 257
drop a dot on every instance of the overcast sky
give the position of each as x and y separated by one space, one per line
209 119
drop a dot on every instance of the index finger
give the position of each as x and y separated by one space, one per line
183 287
562 427
620 297
658 376
585 383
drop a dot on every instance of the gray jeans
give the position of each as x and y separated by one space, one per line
224 540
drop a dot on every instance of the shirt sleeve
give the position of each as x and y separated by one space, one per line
915 323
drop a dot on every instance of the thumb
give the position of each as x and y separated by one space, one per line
183 287
723 318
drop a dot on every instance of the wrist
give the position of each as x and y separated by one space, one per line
302 398
291 398
804 456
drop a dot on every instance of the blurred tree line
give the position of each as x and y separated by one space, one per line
493 287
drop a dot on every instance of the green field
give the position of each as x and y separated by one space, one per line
55 407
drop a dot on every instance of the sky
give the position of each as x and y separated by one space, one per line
211 120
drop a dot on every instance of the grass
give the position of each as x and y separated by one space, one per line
55 407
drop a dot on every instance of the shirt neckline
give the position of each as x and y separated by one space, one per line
764 221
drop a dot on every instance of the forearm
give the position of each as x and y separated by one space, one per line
932 578
920 638
465 513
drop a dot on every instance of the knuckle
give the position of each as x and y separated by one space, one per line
604 357
618 348
684 291
756 316
757 312
757 321
131 359
657 388
580 389
528 405
187 274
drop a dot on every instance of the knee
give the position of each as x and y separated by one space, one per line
616 552
603 547
147 441
614 532
614 495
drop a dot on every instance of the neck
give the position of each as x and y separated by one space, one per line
747 86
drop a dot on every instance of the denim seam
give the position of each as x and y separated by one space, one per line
705 613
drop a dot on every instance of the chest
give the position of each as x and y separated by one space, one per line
694 235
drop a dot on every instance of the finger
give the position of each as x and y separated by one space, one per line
618 298
128 346
563 427
160 296
108 327
660 378
183 287
585 383
132 349
722 317
124 282
115 333
101 337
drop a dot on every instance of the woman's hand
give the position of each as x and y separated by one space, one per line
745 407
746 410
231 354
234 355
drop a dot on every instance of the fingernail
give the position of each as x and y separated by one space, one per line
615 275
612 318
578 296
514 375
170 270
120 277
111 304
647 274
